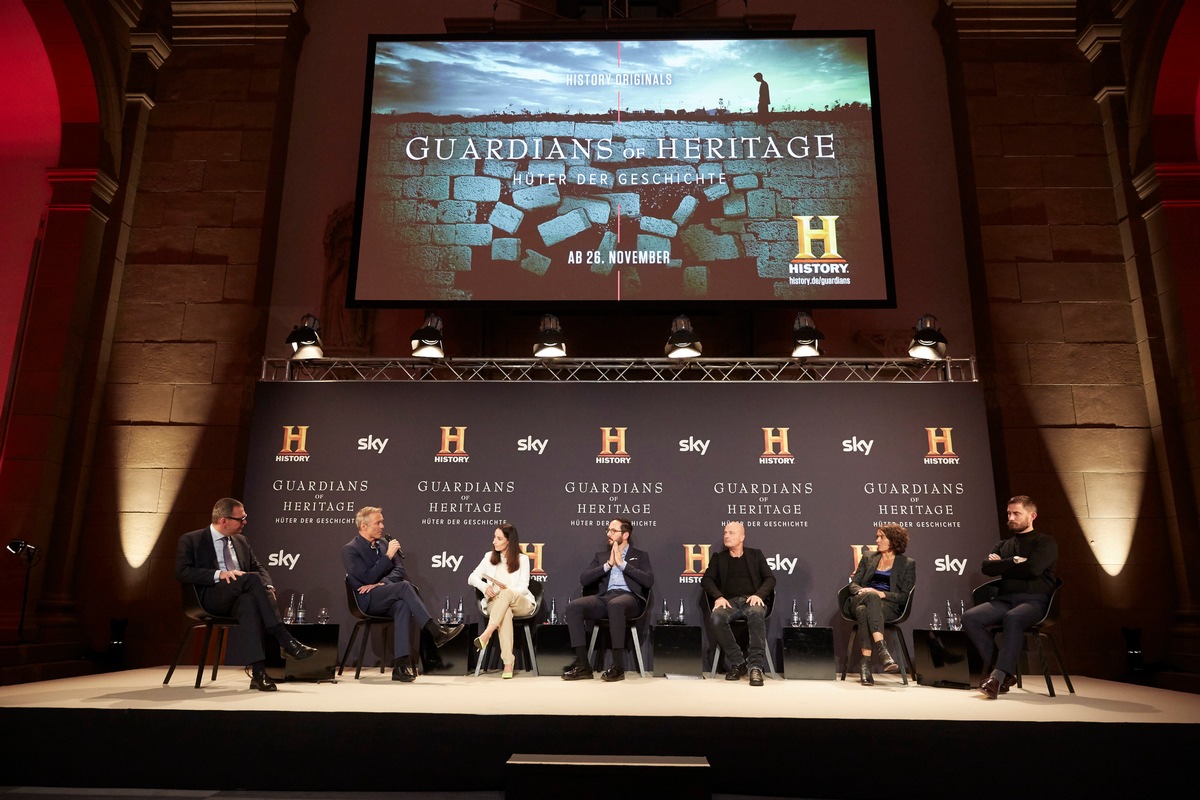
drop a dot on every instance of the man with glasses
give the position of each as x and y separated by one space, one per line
230 581
622 578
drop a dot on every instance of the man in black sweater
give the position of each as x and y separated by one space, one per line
1025 565
739 582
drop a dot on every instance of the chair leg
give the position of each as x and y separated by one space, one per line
529 649
716 660
771 663
208 628
222 632
592 644
1058 659
362 650
1045 667
349 646
482 658
849 649
903 651
637 649
183 640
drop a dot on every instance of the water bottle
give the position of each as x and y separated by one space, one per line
446 610
809 621
795 615
949 616
936 625
459 617
300 611
681 620
553 618
666 617
289 616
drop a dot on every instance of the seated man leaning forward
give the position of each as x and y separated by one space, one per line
231 582
622 576
739 582
374 566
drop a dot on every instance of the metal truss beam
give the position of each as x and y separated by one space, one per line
696 370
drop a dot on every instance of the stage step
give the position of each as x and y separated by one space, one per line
26 663
542 776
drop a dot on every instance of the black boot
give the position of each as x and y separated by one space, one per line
864 672
259 680
885 658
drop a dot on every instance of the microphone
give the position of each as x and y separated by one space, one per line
399 552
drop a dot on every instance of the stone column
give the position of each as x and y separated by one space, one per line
192 308
1072 381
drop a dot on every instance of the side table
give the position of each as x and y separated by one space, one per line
808 654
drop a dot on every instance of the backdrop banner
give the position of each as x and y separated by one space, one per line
810 468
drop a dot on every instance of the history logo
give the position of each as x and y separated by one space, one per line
810 269
695 561
535 551
941 446
295 443
454 446
612 447
775 447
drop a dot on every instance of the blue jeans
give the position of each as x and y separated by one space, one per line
756 622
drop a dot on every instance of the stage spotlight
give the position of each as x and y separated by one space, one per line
16 547
427 340
550 339
927 343
683 342
305 339
805 337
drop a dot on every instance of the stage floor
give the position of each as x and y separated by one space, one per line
1095 701
456 734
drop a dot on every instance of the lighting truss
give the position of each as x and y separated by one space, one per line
655 370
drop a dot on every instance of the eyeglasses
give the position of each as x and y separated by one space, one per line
242 519
615 530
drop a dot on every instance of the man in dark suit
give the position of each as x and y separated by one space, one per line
622 577
739 582
230 581
1025 565
374 566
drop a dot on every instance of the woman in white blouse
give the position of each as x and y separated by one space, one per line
503 577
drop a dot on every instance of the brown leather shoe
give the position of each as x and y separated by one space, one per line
990 687
405 673
1009 682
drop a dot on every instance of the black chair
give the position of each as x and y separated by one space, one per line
739 626
906 662
986 591
365 621
525 623
194 610
632 627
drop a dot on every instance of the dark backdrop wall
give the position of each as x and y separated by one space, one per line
811 469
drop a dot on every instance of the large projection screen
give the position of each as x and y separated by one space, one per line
639 170
811 469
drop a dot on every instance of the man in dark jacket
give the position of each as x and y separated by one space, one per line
621 576
739 582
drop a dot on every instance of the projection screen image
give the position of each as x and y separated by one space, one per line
632 171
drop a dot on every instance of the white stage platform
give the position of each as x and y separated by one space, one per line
787 738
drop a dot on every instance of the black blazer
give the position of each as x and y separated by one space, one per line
638 574
904 578
717 573
196 558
